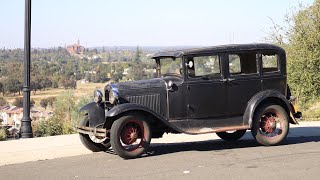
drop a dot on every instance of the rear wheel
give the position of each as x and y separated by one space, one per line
130 136
93 143
270 125
231 135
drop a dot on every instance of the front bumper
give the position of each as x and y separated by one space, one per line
97 132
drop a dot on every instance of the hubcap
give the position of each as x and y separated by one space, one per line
129 135
268 123
132 135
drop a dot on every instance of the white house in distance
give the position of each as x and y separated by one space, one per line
12 115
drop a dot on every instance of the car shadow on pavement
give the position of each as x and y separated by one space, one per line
312 134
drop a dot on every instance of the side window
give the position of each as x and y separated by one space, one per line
270 62
234 64
206 66
243 64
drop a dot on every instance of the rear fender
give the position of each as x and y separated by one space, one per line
269 96
96 113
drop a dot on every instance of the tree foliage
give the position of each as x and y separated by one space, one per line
3 102
44 103
301 39
19 102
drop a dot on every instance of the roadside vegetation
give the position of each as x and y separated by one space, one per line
65 118
300 37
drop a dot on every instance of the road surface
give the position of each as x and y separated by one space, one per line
296 158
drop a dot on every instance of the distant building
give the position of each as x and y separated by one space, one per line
11 115
76 49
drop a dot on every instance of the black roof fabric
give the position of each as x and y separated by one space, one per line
217 49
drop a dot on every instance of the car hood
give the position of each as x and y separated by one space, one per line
141 84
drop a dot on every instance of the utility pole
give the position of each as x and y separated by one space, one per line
26 129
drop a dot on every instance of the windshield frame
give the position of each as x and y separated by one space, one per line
158 69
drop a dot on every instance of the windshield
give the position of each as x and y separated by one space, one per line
170 66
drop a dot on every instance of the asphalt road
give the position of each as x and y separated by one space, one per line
297 158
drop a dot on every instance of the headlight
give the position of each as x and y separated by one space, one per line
113 96
97 96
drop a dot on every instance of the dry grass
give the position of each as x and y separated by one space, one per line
313 112
82 90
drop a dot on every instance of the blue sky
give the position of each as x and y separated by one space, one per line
141 22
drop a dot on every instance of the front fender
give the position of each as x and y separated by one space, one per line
96 113
127 107
269 95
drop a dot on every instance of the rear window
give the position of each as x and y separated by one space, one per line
270 63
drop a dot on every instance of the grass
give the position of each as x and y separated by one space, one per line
312 113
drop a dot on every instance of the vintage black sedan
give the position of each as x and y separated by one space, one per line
223 89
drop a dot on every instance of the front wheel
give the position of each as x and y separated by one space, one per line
270 125
93 143
231 135
130 136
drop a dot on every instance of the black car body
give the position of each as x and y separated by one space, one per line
207 90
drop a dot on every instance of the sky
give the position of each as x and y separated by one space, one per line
142 22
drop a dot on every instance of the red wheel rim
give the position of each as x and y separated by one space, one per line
271 124
132 135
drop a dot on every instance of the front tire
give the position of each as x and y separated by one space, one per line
231 136
270 125
130 136
89 143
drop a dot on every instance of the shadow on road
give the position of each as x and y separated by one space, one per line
303 135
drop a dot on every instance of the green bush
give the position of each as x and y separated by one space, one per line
65 118
49 127
2 134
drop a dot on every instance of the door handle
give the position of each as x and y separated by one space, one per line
227 80
230 79
223 80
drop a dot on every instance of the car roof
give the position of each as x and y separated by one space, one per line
217 49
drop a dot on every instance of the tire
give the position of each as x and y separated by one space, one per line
270 125
87 141
124 134
231 136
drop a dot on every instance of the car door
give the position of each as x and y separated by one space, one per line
243 81
206 91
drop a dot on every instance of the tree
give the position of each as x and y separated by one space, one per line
32 103
3 102
300 37
136 71
137 56
68 83
19 102
12 85
50 101
44 103
1 88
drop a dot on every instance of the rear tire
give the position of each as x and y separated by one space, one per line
270 125
130 136
231 136
88 143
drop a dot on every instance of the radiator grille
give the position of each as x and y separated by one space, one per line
152 101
